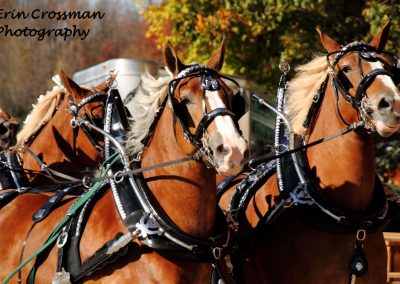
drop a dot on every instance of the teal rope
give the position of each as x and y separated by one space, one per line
57 231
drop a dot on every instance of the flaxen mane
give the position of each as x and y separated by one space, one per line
147 100
41 114
301 90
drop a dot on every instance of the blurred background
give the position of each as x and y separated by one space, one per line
258 31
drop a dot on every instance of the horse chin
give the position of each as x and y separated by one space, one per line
228 171
384 130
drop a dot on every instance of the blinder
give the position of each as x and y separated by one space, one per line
240 101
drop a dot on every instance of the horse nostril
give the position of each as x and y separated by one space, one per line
221 149
384 104
3 129
246 154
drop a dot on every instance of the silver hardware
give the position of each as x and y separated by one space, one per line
359 266
284 67
316 97
62 239
120 243
111 81
300 195
217 252
87 182
61 277
73 110
146 226
361 234
118 177
74 123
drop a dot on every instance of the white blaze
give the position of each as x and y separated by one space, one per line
225 125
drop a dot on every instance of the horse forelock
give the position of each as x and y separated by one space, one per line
146 102
41 113
301 90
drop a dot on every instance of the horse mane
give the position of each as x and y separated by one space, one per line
41 113
301 90
148 98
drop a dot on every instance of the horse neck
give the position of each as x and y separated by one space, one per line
344 166
185 191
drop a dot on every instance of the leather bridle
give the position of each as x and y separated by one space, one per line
209 82
74 111
358 101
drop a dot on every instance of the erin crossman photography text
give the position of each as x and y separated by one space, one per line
8 18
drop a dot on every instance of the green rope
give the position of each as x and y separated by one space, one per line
57 231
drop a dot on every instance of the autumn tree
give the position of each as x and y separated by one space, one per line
28 64
260 30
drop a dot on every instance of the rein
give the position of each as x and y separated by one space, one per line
87 181
271 156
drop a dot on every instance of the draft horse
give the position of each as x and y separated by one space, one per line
48 149
8 130
162 221
317 216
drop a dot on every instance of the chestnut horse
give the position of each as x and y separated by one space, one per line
51 140
197 122
331 207
8 130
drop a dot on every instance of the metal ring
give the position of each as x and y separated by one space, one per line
118 177
361 234
74 123
87 182
112 82
62 239
284 67
217 252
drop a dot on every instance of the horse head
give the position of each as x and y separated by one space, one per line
48 133
206 111
366 76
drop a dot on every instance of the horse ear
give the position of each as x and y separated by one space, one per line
380 40
172 60
70 85
329 44
217 60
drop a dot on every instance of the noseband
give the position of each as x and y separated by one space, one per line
358 102
209 82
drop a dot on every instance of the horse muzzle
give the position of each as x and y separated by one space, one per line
386 115
230 156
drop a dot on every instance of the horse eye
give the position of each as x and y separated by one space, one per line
346 69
